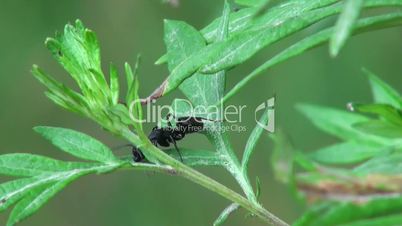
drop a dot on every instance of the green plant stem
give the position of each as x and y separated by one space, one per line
179 168
220 141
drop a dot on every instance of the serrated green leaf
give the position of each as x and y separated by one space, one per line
340 124
225 214
382 92
196 157
77 50
344 25
36 199
346 153
114 84
77 144
19 164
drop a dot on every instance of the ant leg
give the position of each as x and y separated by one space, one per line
138 156
177 149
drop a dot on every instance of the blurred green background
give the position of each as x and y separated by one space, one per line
126 28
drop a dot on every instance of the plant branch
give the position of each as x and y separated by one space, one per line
181 169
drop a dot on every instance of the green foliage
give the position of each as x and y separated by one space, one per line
45 177
250 2
77 144
225 214
198 62
359 178
344 26
248 35
252 141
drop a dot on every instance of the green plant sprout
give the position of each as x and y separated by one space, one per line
198 62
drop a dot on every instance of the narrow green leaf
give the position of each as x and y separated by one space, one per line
312 213
240 47
340 124
114 84
246 19
387 164
19 164
388 220
225 214
344 25
258 187
132 98
382 92
386 111
132 77
346 212
59 93
35 191
264 7
12 191
195 157
36 199
381 128
250 2
161 60
346 153
312 41
77 144
253 139
129 76
282 157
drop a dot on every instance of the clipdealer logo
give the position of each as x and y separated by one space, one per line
268 107
232 115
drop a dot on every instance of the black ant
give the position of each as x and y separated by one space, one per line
164 136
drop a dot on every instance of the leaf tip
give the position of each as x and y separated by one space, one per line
39 129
